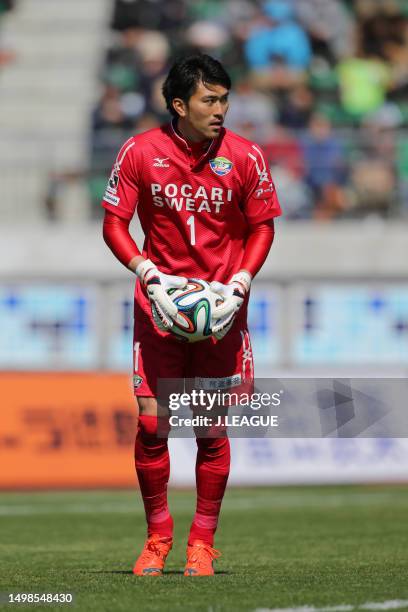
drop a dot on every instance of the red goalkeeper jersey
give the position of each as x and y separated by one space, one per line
195 211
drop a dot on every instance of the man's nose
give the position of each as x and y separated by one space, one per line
218 110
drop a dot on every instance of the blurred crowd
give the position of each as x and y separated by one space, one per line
321 84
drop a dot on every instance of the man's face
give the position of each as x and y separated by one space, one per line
203 115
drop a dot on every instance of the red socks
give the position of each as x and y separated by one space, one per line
212 470
153 470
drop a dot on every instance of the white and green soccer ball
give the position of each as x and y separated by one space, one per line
195 306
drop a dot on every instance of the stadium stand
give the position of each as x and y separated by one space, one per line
92 74
295 68
45 95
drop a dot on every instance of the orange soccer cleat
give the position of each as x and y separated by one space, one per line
153 556
200 558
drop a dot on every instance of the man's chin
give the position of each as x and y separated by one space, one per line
215 130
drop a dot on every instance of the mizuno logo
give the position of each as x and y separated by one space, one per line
159 162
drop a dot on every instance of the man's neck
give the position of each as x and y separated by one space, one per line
190 134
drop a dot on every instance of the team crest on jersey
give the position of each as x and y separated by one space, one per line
137 381
221 165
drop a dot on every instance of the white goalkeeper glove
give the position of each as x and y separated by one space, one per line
157 283
234 294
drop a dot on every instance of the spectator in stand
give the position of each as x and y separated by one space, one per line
161 15
286 160
206 37
121 64
283 150
153 51
219 28
384 34
373 184
298 196
252 113
111 123
329 25
379 25
364 82
296 108
138 64
278 52
373 188
240 15
325 167
110 112
378 135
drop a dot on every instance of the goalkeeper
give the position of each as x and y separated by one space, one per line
206 202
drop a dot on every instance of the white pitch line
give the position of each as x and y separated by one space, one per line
308 609
393 604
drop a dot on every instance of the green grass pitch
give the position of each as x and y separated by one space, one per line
281 547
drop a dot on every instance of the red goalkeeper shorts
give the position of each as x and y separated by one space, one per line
226 363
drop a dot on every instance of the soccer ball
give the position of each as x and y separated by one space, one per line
195 304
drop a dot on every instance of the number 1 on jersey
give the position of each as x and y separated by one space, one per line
191 223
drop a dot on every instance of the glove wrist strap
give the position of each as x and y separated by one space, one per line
243 278
144 268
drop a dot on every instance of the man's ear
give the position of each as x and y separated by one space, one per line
180 107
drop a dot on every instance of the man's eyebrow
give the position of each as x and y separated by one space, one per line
214 97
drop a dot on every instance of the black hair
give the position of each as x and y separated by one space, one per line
186 74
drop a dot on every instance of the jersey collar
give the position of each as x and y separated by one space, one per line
183 144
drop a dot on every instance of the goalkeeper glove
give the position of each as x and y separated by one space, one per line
157 284
234 294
